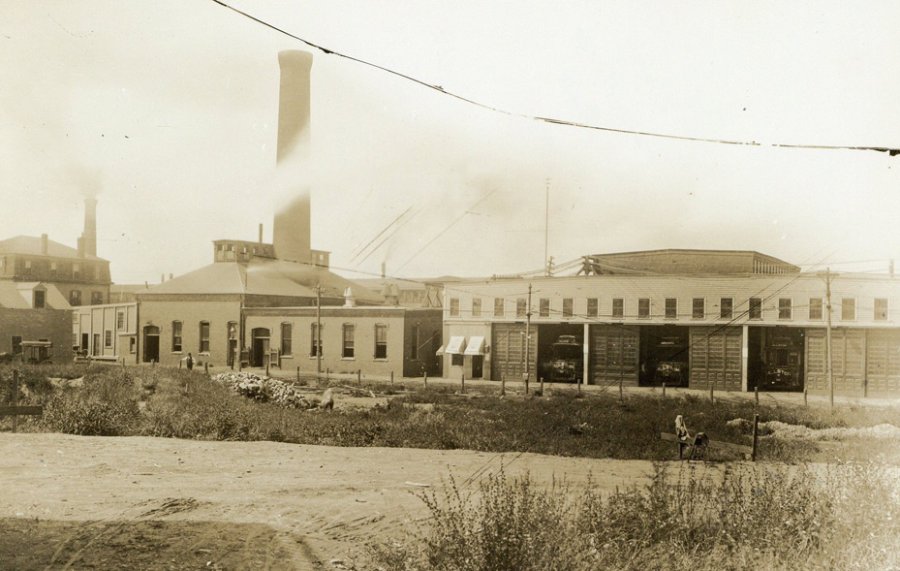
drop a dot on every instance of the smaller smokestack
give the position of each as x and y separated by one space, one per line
260 233
44 244
89 236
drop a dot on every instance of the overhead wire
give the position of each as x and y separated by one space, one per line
891 151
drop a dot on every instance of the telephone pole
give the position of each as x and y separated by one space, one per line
318 331
547 227
528 340
829 371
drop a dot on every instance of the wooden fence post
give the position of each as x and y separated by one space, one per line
805 402
15 398
756 395
358 376
711 389
664 390
392 377
206 367
755 429
267 368
426 379
462 383
621 391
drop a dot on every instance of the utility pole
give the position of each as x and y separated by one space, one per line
318 331
547 226
829 371
528 340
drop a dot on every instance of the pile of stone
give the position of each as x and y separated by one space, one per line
264 389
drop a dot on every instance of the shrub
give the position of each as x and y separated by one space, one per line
107 405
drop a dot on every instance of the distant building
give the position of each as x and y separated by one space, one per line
78 274
734 320
426 293
37 314
106 332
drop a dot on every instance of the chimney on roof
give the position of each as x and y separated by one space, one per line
44 244
87 244
291 232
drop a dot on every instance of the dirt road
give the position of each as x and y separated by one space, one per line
71 502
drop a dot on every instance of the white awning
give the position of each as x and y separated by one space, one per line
475 346
456 346
440 350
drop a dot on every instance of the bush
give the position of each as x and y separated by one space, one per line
107 405
743 517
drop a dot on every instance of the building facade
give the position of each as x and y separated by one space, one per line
732 320
106 332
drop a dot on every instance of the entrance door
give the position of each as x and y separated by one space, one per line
84 343
477 366
259 347
151 344
96 350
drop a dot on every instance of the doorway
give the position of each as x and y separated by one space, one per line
259 347
151 344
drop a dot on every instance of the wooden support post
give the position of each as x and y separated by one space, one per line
425 378
578 385
664 390
462 383
755 431
358 376
392 377
805 402
267 367
621 390
179 363
15 398
711 389
327 374
502 385
865 387
206 368
756 395
542 386
298 375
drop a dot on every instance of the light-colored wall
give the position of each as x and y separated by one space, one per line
684 288
100 319
190 312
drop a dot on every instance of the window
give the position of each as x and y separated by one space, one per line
204 336
456 360
132 344
380 341
53 268
644 307
567 307
120 320
545 307
76 271
75 297
96 297
27 267
414 342
671 308
726 307
286 341
232 330
815 308
16 345
521 306
39 296
454 306
698 309
315 343
176 337
107 338
784 308
348 334
848 309
755 311
476 307
881 309
618 307
498 306
592 307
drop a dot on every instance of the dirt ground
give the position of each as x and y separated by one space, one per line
70 502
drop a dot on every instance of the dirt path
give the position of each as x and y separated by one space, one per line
230 505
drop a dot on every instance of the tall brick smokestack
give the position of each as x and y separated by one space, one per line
88 242
291 231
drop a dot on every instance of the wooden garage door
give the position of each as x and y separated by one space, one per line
508 352
614 354
883 362
848 360
715 358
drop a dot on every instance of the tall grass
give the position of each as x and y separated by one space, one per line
744 517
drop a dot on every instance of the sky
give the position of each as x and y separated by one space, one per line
167 113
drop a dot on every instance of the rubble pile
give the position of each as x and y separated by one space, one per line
264 389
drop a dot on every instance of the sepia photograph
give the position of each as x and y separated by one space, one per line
461 286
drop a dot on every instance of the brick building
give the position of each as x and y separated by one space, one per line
34 312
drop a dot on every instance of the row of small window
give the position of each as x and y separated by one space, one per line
75 297
29 267
698 308
348 339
